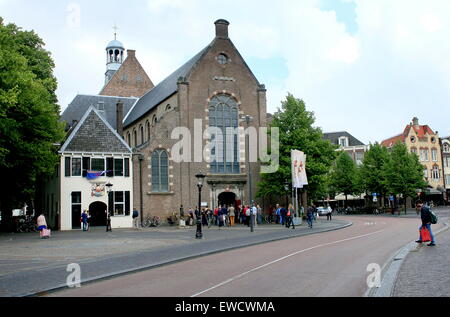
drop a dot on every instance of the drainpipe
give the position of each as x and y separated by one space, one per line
141 199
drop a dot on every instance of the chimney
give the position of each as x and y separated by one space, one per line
222 29
131 53
119 118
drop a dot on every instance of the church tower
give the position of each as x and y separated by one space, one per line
114 57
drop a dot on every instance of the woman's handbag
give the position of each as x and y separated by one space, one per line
425 234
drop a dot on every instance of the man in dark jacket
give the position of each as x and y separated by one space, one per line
425 215
310 216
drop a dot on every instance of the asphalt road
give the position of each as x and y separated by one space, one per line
326 264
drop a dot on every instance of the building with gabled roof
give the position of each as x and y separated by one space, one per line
347 143
423 141
92 158
215 88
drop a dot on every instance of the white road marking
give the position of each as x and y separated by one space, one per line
281 259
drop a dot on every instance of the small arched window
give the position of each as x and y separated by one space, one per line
160 171
147 126
135 139
141 130
129 138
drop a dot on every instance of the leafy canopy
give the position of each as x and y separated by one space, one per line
29 113
297 132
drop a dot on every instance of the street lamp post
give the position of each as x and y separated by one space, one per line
286 188
249 119
200 180
108 214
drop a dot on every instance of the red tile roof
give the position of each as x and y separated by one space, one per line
420 130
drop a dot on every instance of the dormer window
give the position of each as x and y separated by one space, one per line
446 147
343 141
101 106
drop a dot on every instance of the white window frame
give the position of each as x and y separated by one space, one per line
435 173
98 158
434 155
81 166
345 139
122 203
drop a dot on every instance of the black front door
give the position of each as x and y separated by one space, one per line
97 211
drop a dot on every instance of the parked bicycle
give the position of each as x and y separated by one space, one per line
26 225
151 222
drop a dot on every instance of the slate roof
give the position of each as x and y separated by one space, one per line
163 90
78 107
333 137
94 134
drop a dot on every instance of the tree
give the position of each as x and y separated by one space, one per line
372 176
344 176
295 124
29 115
403 173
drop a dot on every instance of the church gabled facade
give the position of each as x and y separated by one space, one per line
217 87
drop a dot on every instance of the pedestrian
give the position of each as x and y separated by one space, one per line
315 213
191 217
310 216
253 214
88 220
425 215
277 214
247 213
259 214
135 219
222 214
216 216
204 217
41 223
232 212
84 218
108 222
290 217
283 215
329 212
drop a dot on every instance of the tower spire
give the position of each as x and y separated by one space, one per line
115 28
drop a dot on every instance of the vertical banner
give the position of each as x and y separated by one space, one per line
298 161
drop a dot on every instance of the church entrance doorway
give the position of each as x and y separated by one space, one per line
228 199
97 211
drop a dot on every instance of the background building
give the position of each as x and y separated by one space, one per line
349 144
445 146
423 141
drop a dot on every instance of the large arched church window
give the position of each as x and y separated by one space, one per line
160 171
224 115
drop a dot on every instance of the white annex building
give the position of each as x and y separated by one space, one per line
95 174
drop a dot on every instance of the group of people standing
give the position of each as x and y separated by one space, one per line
285 216
227 215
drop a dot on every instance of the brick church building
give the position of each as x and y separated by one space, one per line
217 87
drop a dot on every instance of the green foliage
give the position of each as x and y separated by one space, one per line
297 133
344 176
372 175
403 173
28 113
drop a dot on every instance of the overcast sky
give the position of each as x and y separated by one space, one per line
364 66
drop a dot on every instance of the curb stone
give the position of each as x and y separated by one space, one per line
392 267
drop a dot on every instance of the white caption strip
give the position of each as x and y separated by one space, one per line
281 259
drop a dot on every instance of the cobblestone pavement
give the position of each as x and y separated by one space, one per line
426 270
29 265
